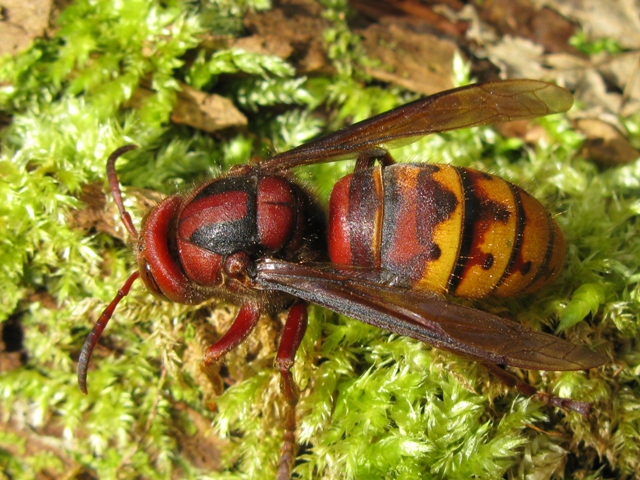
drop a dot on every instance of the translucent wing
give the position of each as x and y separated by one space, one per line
361 294
471 106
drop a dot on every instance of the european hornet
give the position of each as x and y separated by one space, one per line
400 238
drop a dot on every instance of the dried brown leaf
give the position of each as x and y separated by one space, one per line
21 22
522 18
431 14
204 111
293 31
417 61
623 71
615 19
605 144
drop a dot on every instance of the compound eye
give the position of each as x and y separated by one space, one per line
150 281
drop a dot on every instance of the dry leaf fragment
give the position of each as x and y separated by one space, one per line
615 19
204 111
517 57
21 22
623 71
417 61
605 144
293 31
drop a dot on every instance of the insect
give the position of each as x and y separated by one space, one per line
399 240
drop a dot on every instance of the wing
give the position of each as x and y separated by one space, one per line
361 294
471 106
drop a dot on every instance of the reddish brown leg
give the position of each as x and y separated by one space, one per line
368 159
582 408
241 327
92 339
292 335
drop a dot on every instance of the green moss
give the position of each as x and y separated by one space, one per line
582 42
373 405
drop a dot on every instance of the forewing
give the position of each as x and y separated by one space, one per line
471 106
361 294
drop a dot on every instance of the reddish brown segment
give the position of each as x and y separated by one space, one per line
276 213
217 208
444 229
359 209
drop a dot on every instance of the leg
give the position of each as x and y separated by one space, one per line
292 335
583 408
368 159
241 327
